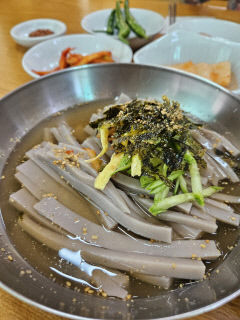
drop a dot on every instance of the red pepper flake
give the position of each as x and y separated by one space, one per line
69 151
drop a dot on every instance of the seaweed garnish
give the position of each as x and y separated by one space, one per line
154 130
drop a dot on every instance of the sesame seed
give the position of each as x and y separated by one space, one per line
174 265
203 246
10 258
68 284
104 294
94 237
49 195
90 291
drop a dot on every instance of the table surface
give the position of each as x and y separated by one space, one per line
71 12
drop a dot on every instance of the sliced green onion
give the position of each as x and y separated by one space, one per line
165 204
195 178
175 174
183 184
125 163
176 186
211 190
161 195
169 202
136 166
155 184
145 181
164 170
158 189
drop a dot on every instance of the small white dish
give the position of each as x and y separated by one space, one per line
180 46
167 27
151 21
210 26
45 56
20 32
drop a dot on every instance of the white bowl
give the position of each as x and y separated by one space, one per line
211 26
151 21
167 27
20 32
45 55
180 46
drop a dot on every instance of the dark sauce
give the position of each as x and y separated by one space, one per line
40 33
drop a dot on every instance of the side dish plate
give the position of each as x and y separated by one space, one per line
177 47
216 28
151 21
20 32
45 56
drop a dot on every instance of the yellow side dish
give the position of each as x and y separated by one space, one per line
217 72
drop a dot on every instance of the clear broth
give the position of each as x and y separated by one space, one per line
46 260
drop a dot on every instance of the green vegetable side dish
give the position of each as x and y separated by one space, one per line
124 22
152 140
122 26
131 21
111 22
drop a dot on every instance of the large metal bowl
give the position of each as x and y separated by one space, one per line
30 104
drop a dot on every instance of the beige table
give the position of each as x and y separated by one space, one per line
12 76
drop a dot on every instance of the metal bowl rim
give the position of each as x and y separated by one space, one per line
97 65
186 315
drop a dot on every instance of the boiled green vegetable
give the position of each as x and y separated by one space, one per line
111 22
123 22
123 28
131 21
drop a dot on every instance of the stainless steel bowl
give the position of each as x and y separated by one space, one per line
24 108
